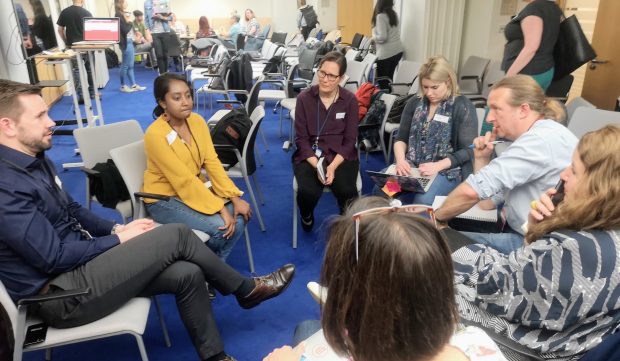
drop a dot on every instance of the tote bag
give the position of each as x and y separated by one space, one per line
572 49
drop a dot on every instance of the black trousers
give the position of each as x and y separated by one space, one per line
305 31
161 51
76 76
168 259
310 189
386 67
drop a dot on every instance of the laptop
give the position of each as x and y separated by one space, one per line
101 31
413 183
161 7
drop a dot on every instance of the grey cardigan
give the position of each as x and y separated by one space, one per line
387 38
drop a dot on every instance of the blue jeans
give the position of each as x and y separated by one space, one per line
127 64
441 187
175 211
504 242
304 330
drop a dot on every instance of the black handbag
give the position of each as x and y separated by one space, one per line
572 49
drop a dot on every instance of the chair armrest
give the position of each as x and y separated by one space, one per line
368 126
352 82
160 197
53 296
229 147
89 171
235 91
220 101
208 75
470 77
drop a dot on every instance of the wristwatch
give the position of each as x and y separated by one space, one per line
115 228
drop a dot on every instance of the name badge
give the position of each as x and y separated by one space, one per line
441 118
318 152
58 182
170 137
340 115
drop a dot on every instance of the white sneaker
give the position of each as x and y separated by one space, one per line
137 87
126 89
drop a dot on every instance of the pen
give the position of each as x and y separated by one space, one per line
471 146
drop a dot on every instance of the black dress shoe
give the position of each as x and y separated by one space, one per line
268 286
307 223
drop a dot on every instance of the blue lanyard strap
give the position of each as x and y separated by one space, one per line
318 118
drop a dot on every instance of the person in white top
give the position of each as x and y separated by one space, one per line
386 35
541 149
391 291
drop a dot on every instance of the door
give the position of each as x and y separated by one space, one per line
354 17
601 86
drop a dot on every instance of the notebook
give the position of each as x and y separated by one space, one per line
101 31
317 349
475 213
413 183
321 167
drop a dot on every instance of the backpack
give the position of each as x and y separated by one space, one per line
371 123
397 108
107 184
232 129
111 58
310 15
364 95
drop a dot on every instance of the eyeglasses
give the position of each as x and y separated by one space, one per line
412 208
330 77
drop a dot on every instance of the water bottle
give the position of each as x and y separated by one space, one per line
187 30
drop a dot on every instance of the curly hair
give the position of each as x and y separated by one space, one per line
594 204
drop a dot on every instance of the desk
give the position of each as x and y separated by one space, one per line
90 49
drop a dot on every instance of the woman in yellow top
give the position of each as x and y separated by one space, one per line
179 150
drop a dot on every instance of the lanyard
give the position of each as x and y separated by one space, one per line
319 130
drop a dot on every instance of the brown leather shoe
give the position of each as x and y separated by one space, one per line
268 286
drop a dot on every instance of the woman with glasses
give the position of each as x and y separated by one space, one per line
389 276
436 129
325 129
559 295
180 160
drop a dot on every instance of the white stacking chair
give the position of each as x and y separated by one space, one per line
405 75
575 103
95 144
471 76
388 99
369 60
356 71
130 319
586 119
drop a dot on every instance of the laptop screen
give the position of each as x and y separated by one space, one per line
102 29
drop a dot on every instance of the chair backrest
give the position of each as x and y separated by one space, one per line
265 50
493 74
351 54
130 159
252 100
335 36
388 100
306 62
278 38
587 119
470 77
575 103
357 40
265 33
356 71
8 304
480 112
559 88
173 44
288 89
369 60
248 147
95 142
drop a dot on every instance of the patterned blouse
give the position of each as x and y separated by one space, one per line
559 296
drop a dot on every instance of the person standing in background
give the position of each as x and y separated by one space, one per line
71 29
143 41
306 18
386 35
158 25
530 38
252 27
127 48
42 26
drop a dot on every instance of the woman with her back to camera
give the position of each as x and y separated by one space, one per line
386 35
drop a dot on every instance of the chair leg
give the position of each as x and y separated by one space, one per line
258 157
87 193
389 151
141 347
248 246
294 219
385 155
48 354
260 193
262 135
258 215
162 322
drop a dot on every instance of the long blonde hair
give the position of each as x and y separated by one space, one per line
438 69
594 204
525 90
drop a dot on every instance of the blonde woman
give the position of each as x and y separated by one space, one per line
559 295
436 129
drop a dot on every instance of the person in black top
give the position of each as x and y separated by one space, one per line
42 26
71 29
531 37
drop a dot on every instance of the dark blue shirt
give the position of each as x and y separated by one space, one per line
39 235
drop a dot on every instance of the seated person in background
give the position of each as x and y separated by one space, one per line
559 295
49 243
541 149
235 29
143 41
395 300
436 129
204 29
179 151
252 27
326 125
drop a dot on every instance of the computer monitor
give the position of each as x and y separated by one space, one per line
102 29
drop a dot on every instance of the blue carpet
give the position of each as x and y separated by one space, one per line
247 334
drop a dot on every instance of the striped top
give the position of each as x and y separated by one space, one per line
559 296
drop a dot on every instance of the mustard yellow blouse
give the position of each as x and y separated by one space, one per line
173 167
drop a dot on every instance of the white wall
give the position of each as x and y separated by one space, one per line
13 65
412 28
